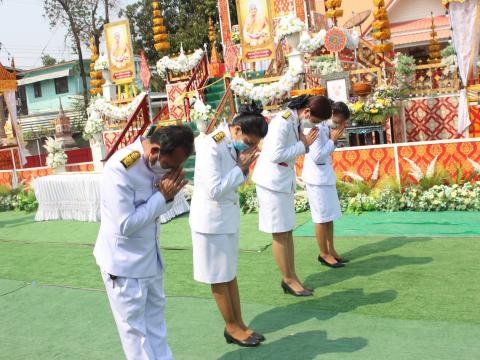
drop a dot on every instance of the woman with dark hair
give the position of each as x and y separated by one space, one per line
319 177
276 180
222 165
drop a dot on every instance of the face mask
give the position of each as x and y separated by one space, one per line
158 170
307 124
240 146
331 124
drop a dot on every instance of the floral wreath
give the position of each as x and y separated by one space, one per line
100 108
182 64
267 92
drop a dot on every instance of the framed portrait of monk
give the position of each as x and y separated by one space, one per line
256 30
120 52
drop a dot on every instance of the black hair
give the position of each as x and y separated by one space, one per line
251 121
320 106
171 137
340 108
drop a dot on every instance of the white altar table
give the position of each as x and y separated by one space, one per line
76 196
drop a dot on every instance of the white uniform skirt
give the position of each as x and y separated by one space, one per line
276 210
215 257
324 203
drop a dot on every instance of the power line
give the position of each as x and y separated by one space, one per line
48 42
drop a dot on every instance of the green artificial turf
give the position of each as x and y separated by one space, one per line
399 298
59 323
405 223
21 227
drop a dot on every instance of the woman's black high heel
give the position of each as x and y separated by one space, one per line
258 336
251 341
288 290
324 262
342 260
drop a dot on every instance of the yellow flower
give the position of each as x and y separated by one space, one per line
381 102
374 111
357 106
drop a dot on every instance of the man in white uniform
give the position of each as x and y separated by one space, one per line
139 182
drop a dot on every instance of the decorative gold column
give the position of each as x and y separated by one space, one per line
160 36
96 80
434 54
381 28
333 10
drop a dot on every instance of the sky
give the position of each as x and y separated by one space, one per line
25 33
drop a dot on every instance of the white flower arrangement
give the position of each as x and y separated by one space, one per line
56 155
310 44
182 64
454 197
289 25
201 114
101 63
450 63
188 192
100 108
267 92
325 65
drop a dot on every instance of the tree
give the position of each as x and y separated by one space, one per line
70 14
186 22
48 60
83 19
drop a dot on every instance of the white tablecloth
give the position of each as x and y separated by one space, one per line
76 196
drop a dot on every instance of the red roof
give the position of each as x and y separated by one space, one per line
399 39
419 30
420 24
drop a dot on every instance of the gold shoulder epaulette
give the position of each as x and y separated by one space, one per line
219 136
287 115
129 160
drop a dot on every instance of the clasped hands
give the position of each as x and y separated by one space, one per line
172 183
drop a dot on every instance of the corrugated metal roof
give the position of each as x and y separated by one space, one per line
41 77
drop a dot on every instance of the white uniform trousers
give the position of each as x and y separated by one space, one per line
137 306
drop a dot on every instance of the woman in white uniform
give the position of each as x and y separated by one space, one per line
222 163
320 179
275 178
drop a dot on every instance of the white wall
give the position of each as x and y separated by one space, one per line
405 10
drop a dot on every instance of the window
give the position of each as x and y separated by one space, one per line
61 85
37 89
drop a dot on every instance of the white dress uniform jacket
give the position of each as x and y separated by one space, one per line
215 205
317 167
127 243
275 168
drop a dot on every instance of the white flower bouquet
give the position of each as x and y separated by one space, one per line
310 44
289 25
101 63
182 64
56 155
325 65
201 114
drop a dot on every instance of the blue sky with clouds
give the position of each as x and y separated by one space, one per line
25 33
